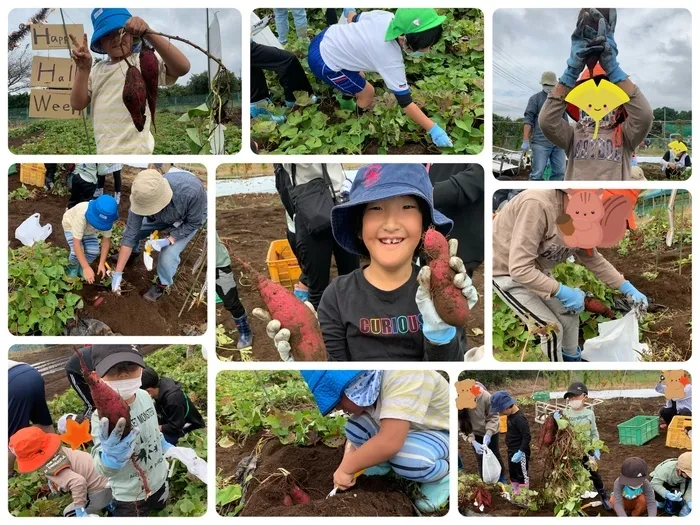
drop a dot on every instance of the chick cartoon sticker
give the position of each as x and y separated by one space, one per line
597 99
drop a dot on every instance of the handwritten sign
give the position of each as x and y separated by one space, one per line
52 72
51 103
53 36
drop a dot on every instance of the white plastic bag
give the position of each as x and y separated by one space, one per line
617 340
265 37
30 231
491 468
188 457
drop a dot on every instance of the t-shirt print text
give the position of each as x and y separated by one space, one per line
597 149
401 324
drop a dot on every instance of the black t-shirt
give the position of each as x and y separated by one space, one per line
518 433
363 323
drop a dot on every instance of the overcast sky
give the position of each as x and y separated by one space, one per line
654 49
186 23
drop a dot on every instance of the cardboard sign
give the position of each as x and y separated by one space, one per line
52 72
51 103
53 36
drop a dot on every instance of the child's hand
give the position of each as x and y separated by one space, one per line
115 450
279 335
101 270
81 53
89 275
136 26
343 480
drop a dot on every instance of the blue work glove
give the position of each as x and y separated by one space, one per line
115 450
158 244
571 298
596 454
348 10
116 280
478 448
80 512
674 495
440 138
517 457
577 57
486 440
525 145
557 415
608 55
164 444
637 297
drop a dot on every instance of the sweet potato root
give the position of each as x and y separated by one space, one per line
597 307
134 96
149 71
548 433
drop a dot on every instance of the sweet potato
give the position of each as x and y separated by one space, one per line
134 96
306 339
299 497
287 501
149 72
450 304
597 307
548 433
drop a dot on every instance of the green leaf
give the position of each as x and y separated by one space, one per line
45 312
72 299
200 111
186 506
228 494
41 278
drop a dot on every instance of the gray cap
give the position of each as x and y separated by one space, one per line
105 357
548 79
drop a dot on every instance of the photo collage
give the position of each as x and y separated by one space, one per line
373 341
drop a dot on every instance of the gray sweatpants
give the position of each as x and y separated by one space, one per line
537 314
96 502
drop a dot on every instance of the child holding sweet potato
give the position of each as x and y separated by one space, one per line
118 34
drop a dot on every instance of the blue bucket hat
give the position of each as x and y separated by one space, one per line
102 212
328 386
104 21
382 181
500 401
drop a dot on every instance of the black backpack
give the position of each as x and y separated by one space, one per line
284 185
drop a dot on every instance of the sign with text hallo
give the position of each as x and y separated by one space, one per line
52 72
51 103
53 36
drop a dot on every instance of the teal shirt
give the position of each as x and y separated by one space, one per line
223 259
583 417
125 483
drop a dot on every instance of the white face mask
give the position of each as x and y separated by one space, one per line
547 89
576 403
125 387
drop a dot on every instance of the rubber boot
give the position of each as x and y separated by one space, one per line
502 479
516 487
117 196
110 509
605 499
434 495
302 295
154 293
72 270
378 470
258 110
572 358
245 338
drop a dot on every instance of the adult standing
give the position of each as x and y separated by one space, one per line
485 427
102 171
543 150
174 204
227 290
458 193
315 190
282 23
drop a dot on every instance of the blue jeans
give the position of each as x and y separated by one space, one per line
169 257
282 22
424 456
555 156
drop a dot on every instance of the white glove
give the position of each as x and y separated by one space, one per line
158 244
345 188
280 336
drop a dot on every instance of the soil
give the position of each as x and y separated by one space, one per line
249 223
651 172
16 142
371 496
609 414
57 383
160 318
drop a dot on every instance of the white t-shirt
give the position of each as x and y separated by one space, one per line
360 46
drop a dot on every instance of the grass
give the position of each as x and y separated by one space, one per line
67 137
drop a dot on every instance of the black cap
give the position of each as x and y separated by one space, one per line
633 471
105 357
576 389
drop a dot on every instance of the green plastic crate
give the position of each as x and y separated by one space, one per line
541 396
638 430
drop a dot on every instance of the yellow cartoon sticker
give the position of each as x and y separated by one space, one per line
597 100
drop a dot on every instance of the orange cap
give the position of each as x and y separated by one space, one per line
33 448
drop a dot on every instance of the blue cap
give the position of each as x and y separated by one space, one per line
501 401
102 212
328 386
104 21
382 181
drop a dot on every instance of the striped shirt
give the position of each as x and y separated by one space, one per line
419 396
115 132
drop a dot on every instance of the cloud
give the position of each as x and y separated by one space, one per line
190 24
655 49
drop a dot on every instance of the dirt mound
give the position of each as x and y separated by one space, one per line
609 414
313 468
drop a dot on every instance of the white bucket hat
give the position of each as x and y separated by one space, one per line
150 193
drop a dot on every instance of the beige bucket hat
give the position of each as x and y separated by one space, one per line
549 78
150 193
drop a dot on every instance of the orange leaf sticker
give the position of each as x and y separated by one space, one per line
77 433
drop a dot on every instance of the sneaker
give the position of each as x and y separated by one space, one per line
663 426
245 341
154 293
258 110
434 495
117 196
98 193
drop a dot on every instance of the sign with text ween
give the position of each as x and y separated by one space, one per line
51 103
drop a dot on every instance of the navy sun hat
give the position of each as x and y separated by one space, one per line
328 386
501 401
104 21
102 212
376 182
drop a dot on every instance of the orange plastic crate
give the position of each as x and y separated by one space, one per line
503 424
32 174
676 436
282 264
